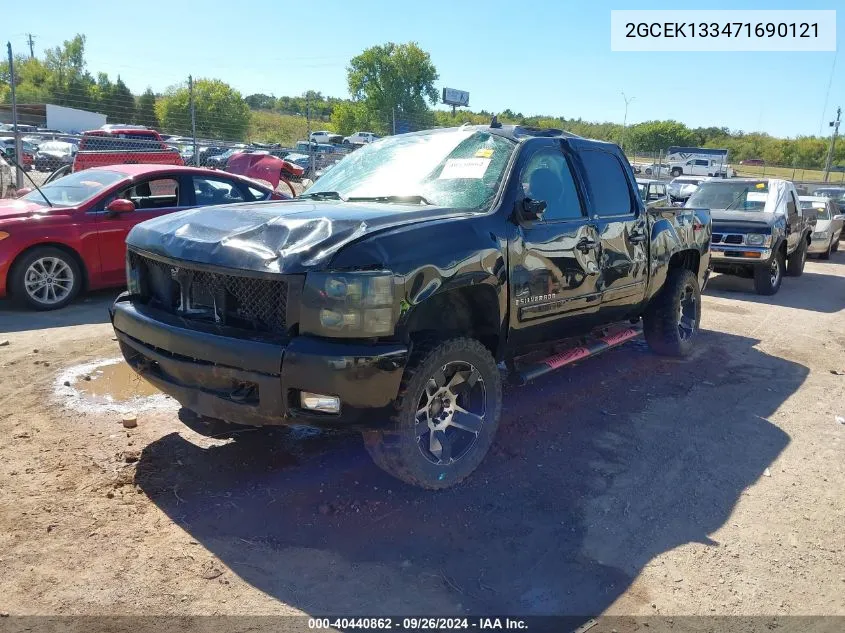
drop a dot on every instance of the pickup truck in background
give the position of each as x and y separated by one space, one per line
385 297
120 146
701 167
760 230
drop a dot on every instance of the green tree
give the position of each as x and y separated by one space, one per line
122 102
220 110
654 136
394 80
261 101
145 111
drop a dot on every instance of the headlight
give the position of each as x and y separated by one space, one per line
757 239
133 277
821 235
348 304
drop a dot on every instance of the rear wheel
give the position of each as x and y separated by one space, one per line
767 279
795 262
447 413
46 278
671 322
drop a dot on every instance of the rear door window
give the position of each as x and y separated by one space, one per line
209 191
608 184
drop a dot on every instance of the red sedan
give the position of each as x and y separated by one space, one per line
52 249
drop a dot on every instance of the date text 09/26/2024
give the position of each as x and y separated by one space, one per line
418 624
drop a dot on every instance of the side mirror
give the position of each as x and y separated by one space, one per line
20 193
120 205
841 216
532 209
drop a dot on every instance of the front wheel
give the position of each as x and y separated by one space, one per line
677 171
796 261
767 279
447 413
46 278
826 254
671 322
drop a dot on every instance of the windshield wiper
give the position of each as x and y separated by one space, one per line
737 199
415 199
323 195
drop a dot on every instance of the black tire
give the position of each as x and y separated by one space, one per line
677 171
671 322
767 279
406 449
23 273
795 262
835 248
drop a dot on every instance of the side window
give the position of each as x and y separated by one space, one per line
215 191
703 163
661 191
158 193
547 177
608 184
258 194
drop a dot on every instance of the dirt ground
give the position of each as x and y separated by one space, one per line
628 484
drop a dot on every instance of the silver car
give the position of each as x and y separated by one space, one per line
828 228
683 187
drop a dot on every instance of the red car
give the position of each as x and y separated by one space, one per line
50 251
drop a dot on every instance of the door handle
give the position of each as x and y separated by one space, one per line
586 244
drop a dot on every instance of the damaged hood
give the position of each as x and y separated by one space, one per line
742 219
282 237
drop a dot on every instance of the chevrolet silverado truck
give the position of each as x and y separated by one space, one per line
118 146
760 230
391 297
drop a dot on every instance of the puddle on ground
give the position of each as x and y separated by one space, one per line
108 386
117 382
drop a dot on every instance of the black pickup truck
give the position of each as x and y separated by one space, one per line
389 296
759 229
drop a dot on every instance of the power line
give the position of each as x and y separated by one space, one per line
827 93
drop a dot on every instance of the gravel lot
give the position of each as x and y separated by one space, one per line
628 484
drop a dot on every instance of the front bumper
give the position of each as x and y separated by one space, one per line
222 375
739 254
818 245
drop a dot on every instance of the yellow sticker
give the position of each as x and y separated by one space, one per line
484 152
761 185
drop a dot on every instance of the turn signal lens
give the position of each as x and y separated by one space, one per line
3 235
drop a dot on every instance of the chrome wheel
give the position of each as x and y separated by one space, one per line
49 280
450 413
774 271
687 313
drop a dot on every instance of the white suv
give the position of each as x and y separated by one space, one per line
323 136
360 137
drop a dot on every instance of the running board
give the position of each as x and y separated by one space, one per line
606 342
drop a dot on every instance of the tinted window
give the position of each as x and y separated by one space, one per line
704 163
213 191
791 204
547 177
158 193
608 184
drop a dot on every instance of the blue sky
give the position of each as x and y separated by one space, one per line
544 58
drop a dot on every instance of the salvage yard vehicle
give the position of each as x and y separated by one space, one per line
683 187
701 167
653 193
359 138
54 154
123 145
70 234
829 223
759 229
384 297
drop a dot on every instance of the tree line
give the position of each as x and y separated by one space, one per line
389 84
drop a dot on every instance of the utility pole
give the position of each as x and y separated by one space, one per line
625 120
193 119
829 161
308 123
18 153
394 120
31 42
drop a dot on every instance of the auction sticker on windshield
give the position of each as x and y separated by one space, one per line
473 168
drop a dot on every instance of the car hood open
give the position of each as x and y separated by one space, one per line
282 237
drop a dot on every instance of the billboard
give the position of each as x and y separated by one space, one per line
454 97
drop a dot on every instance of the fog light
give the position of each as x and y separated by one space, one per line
319 402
